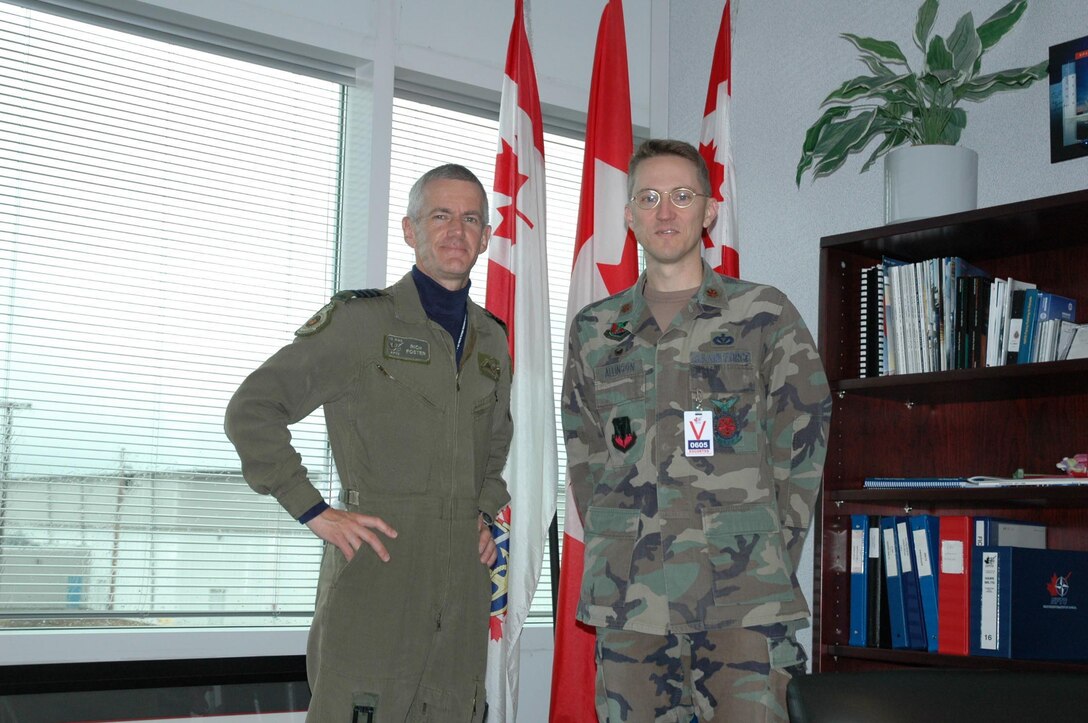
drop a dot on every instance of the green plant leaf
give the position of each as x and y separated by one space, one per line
983 86
842 139
938 57
965 46
878 88
812 136
875 65
927 14
885 50
1001 22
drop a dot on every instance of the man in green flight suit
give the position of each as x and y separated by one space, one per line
695 410
415 384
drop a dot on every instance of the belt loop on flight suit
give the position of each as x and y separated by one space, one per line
349 497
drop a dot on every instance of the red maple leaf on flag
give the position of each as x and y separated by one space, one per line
618 277
717 176
506 171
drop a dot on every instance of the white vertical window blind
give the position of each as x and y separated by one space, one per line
428 135
167 219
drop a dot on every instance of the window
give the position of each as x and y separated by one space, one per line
167 219
425 136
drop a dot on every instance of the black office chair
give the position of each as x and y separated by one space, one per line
937 696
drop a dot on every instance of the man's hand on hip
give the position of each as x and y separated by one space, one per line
350 530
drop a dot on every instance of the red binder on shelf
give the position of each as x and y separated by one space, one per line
954 585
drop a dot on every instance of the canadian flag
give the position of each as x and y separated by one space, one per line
605 262
716 147
517 292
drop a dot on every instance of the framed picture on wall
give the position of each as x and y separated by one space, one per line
1069 100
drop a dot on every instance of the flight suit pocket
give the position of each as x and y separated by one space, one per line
621 406
729 392
610 535
745 548
397 446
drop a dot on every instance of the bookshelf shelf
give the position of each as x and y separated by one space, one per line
865 656
958 423
981 497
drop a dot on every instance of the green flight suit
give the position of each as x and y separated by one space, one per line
418 442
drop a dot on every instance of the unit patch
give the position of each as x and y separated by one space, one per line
622 438
489 366
317 322
727 424
617 331
407 349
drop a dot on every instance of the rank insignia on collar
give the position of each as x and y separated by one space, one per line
712 293
625 308
317 322
724 340
623 438
618 331
489 366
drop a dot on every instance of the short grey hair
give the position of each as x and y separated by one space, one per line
447 172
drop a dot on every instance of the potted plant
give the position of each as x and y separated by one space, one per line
912 106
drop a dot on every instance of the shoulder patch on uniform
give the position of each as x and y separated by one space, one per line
498 321
317 322
349 294
489 366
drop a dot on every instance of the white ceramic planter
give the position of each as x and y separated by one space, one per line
926 181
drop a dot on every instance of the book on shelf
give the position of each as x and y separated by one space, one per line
957 279
1029 315
1012 316
954 585
877 483
1010 533
912 598
871 322
859 580
1029 604
1077 345
974 481
924 531
894 581
978 329
995 322
1050 310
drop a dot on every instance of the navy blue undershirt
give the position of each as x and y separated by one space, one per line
446 308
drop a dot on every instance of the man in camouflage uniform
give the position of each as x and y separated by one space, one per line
695 410
415 385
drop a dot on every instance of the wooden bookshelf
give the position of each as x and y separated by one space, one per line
962 422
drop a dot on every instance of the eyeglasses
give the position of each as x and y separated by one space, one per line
648 198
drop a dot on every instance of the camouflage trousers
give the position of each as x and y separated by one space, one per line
737 675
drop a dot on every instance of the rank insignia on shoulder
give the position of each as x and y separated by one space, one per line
349 294
489 366
498 321
618 331
317 322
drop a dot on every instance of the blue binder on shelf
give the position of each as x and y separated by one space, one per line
925 533
908 573
897 616
859 579
1029 604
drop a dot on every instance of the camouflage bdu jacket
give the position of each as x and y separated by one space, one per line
677 543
